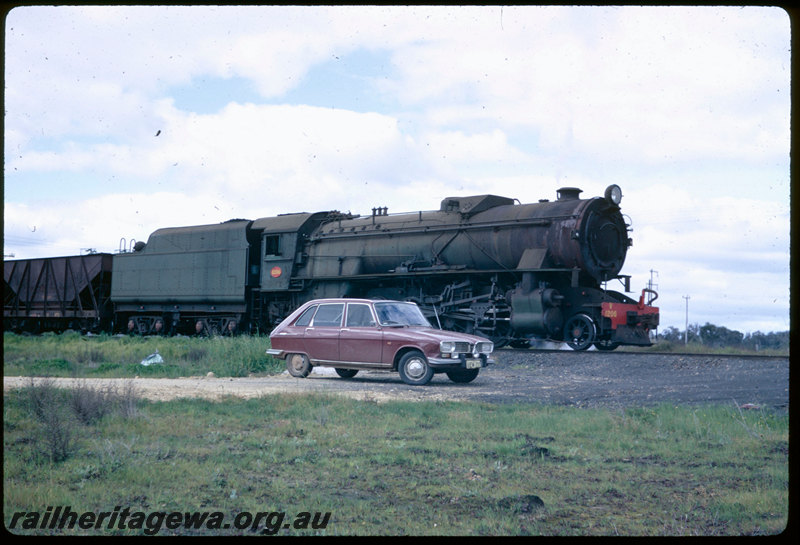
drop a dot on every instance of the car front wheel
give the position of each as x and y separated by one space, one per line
414 369
298 365
462 376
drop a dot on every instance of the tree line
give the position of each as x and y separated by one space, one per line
722 337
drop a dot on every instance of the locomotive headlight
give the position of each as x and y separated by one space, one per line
614 194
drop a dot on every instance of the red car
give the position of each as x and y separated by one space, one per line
355 334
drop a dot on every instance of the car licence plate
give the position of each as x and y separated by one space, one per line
473 364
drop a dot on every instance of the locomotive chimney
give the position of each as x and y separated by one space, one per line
568 193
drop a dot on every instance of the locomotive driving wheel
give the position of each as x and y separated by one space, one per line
579 332
606 345
500 335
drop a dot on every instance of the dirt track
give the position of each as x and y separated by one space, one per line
561 378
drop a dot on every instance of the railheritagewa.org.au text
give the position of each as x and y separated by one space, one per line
123 518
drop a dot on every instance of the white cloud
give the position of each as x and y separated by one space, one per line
729 254
649 83
100 223
247 146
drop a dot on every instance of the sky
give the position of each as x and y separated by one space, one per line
120 120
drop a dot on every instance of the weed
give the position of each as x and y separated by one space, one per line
54 437
41 396
196 354
128 400
58 436
473 469
91 355
57 411
90 403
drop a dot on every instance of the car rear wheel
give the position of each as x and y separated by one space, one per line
298 365
346 373
414 369
463 376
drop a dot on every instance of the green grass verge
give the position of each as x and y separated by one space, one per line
70 354
663 346
427 468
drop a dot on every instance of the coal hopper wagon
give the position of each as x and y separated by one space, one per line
58 293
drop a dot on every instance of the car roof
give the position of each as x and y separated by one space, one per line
353 300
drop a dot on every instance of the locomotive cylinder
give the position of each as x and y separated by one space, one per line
536 311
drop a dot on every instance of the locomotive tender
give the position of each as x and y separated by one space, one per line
482 264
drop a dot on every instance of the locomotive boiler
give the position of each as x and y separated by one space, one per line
484 264
487 265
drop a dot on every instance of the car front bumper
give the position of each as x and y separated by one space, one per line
462 362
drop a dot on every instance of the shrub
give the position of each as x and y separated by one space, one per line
90 403
55 437
57 410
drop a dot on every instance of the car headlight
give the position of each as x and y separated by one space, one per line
447 347
484 348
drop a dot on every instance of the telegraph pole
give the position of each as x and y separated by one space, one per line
650 284
686 331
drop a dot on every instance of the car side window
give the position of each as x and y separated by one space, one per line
305 318
329 315
359 315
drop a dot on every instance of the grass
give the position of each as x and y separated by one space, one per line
70 354
694 347
429 468
412 468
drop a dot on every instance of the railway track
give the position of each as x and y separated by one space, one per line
634 353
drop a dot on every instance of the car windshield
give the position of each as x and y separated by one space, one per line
400 314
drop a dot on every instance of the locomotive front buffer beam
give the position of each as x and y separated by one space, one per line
583 318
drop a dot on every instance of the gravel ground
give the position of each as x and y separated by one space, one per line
634 379
591 379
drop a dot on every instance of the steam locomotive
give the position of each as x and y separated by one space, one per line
484 264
